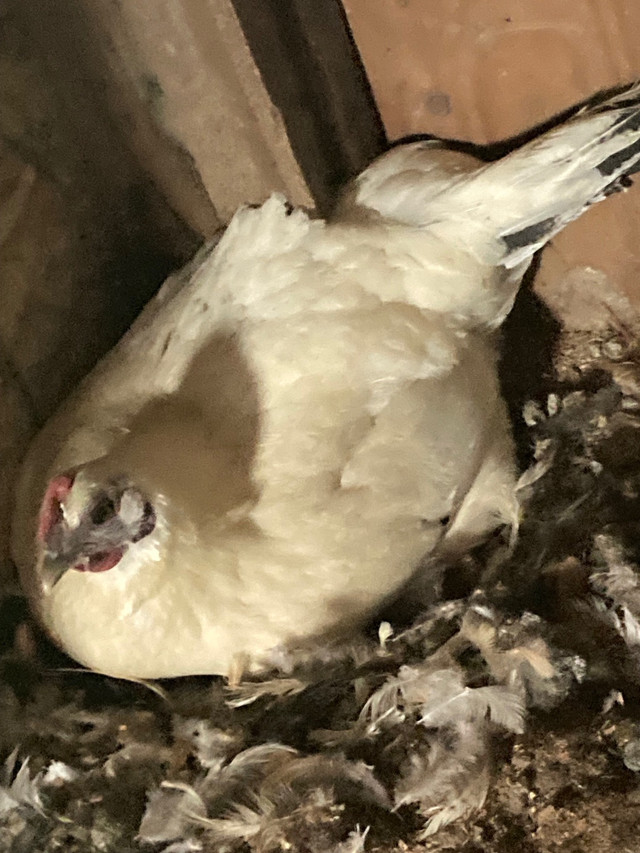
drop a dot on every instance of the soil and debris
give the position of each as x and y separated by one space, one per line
505 717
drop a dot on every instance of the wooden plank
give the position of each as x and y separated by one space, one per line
314 76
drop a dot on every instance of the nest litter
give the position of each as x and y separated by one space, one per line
503 716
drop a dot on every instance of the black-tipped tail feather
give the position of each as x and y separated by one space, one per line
547 183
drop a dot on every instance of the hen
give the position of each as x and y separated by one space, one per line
305 416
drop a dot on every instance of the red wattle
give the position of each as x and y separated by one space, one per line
101 562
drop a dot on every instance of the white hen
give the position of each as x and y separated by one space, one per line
296 421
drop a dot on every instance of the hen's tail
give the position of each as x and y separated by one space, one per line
534 192
506 210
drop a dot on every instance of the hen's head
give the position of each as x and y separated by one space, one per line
88 526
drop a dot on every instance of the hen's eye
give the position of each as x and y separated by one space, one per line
103 511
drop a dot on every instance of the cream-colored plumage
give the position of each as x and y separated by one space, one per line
304 414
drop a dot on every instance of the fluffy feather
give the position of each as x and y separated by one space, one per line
19 789
273 792
303 416
451 780
450 700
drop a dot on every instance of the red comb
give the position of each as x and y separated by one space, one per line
50 511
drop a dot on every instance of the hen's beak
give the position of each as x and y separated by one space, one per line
90 559
54 566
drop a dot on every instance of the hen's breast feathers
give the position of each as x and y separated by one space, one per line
269 268
301 420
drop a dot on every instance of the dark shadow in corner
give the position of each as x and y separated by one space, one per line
530 336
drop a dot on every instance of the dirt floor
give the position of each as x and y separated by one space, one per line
562 786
